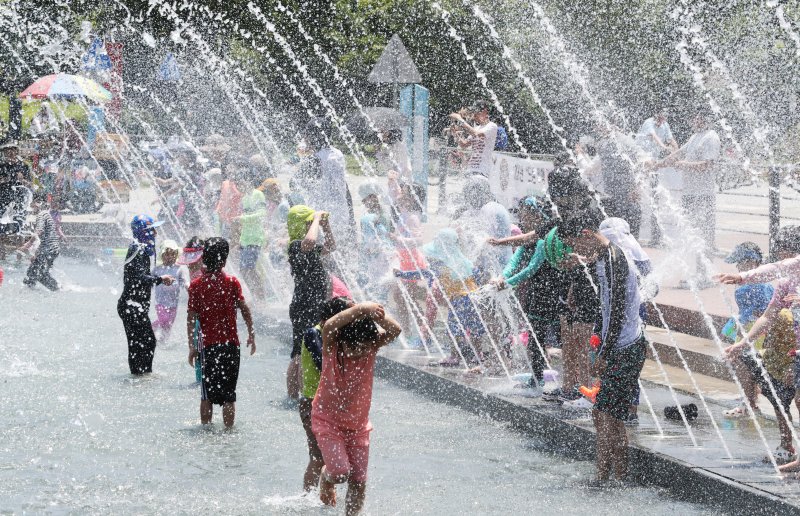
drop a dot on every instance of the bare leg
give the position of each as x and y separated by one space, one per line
403 312
311 478
206 412
356 492
254 283
790 467
786 433
620 447
575 339
746 379
604 451
293 378
228 413
327 489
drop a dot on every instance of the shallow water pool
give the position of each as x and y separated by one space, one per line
80 435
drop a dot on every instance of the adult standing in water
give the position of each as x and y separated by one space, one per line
321 178
133 306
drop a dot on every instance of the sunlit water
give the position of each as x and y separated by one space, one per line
80 435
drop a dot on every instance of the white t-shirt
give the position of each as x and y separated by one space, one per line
644 138
331 196
480 161
702 146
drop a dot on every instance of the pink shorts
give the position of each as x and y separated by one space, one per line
166 317
345 453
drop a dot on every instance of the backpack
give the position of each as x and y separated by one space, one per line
501 143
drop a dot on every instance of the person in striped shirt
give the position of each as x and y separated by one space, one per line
48 250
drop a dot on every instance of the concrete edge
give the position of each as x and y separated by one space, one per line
682 480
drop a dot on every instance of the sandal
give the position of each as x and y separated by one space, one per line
450 362
740 412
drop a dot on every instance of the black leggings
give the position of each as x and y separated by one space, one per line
538 363
40 270
141 339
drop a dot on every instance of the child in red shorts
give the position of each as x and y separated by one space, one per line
340 410
213 300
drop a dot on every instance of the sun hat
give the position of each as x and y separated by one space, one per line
190 255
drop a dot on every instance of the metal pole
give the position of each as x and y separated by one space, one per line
774 207
443 165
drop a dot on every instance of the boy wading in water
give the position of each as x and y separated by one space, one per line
340 410
213 299
622 350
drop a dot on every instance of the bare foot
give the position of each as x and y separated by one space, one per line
327 493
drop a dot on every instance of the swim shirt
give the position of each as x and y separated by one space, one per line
213 297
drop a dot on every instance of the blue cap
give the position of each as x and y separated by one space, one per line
744 252
144 222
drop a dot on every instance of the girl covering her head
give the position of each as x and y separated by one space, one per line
446 249
297 221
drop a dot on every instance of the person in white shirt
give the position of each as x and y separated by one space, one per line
656 140
696 160
322 181
482 137
655 136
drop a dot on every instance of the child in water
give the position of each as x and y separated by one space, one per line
214 299
340 410
167 295
311 364
192 258
454 274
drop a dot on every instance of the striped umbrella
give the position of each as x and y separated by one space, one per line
65 86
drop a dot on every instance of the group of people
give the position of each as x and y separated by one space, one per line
570 255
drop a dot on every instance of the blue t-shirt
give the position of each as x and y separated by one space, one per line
752 301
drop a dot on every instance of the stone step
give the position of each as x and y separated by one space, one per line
702 355
714 390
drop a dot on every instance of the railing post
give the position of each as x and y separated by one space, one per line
442 208
774 207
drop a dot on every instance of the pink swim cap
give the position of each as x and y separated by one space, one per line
339 289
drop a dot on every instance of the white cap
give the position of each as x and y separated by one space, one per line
170 244
370 188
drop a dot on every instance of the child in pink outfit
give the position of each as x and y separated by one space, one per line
167 295
340 410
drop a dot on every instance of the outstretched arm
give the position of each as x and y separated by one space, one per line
514 240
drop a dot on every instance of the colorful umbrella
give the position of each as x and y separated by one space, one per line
65 86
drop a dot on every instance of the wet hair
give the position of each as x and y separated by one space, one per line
215 253
359 331
479 105
569 191
753 248
40 196
317 132
575 225
788 240
393 135
194 242
333 307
